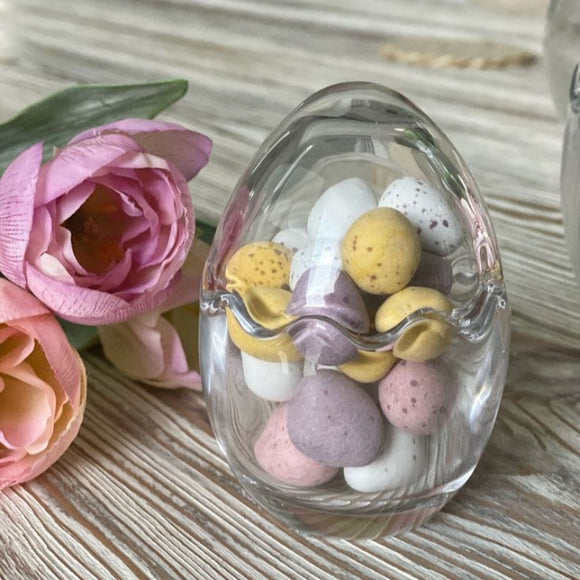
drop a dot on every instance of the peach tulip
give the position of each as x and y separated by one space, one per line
42 387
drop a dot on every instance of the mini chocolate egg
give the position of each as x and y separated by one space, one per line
338 207
433 272
273 381
417 397
326 291
292 238
400 464
368 367
381 251
278 457
267 306
334 421
437 225
259 264
318 252
426 339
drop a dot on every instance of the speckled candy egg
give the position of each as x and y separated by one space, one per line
278 457
417 397
339 206
369 367
437 224
326 291
381 251
399 466
259 264
428 338
317 252
334 421
267 306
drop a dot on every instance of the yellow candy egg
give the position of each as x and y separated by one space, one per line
267 306
259 264
381 251
425 340
369 367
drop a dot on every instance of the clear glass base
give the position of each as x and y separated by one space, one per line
348 516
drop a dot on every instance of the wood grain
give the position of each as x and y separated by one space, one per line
144 491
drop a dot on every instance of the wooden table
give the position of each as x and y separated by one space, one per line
144 491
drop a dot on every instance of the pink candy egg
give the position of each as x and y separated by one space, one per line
417 397
277 456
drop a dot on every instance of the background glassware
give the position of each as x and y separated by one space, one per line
562 48
570 177
562 53
365 131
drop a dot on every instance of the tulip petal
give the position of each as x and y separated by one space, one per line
26 410
25 468
16 303
147 348
187 150
134 347
88 306
188 288
17 194
63 360
75 164
15 347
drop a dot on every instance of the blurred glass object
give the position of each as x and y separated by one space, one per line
571 175
562 48
562 54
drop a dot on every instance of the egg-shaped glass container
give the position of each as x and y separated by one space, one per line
355 327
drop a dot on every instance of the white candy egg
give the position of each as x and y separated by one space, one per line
292 238
274 381
437 225
338 207
318 252
400 464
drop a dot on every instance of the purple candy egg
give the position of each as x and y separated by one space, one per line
433 272
327 291
334 421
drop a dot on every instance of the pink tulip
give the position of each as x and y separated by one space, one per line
99 232
42 387
160 347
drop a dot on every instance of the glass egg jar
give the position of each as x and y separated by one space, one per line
355 327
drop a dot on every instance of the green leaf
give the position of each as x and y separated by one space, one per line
80 336
204 232
61 116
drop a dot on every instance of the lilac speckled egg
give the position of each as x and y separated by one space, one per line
433 272
327 291
334 421
417 397
277 456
